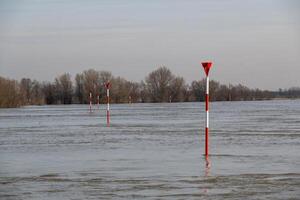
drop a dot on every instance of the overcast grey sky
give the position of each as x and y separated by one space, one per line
253 42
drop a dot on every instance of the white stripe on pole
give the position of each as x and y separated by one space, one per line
207 84
207 92
107 93
90 102
107 112
207 119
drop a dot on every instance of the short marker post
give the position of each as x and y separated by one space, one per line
207 66
90 102
98 102
107 85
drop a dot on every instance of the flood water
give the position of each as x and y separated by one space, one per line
151 151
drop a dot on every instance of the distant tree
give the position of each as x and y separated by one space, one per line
158 84
119 90
79 88
92 84
213 90
105 76
49 93
222 93
293 92
134 92
9 93
37 95
64 88
144 93
198 90
178 89
25 90
217 92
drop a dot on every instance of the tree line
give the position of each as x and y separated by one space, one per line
160 85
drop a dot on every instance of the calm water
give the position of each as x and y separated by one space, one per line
151 151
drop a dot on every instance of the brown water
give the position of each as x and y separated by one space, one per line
151 151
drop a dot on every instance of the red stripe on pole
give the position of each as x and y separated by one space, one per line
107 117
90 102
107 111
107 85
206 142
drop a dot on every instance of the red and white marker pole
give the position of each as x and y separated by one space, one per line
207 66
107 85
90 102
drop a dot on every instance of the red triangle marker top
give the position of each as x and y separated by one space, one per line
108 85
207 66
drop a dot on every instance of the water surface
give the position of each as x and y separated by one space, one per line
151 151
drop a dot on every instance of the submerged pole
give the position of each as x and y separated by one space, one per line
107 85
207 66
90 102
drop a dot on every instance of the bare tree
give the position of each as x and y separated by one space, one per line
144 93
91 83
198 90
49 93
9 93
158 83
79 89
25 89
213 89
177 90
134 92
37 95
64 88
159 86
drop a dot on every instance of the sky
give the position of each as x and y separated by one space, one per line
252 42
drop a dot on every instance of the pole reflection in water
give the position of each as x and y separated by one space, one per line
207 166
206 172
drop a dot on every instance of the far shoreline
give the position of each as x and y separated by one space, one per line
123 103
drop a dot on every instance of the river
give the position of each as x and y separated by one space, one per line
151 151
